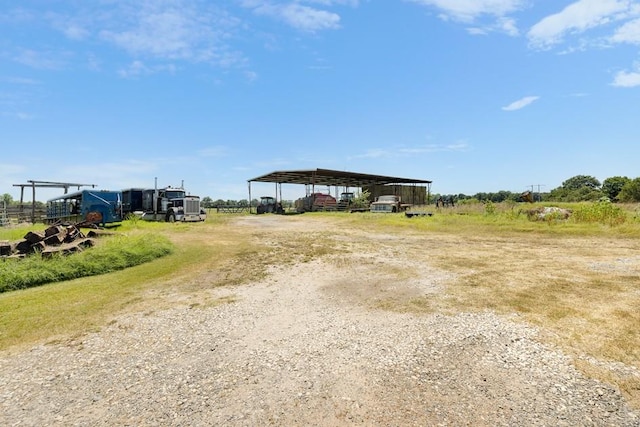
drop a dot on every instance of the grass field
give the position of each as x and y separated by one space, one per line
579 281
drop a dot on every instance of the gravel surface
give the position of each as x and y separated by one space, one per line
290 350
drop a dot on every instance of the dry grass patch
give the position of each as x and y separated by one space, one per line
584 291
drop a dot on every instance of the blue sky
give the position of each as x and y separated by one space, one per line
475 95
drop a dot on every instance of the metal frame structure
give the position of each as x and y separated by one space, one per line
45 184
330 177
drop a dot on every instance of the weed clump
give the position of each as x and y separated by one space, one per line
602 212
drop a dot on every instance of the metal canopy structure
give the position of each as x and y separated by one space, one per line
334 178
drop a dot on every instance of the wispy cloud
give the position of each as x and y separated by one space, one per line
521 103
435 148
577 18
17 115
469 10
251 76
139 68
41 59
379 153
485 16
628 33
22 81
299 16
216 151
172 31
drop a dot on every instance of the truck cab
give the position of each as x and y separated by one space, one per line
388 204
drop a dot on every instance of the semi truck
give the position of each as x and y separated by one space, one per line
170 204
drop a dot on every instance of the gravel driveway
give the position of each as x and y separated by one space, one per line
292 350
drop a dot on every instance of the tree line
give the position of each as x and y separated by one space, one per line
580 188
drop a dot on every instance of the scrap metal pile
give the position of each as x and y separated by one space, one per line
64 239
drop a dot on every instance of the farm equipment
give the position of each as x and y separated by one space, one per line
346 200
269 204
316 202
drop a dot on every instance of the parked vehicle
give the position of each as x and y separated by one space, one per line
316 202
346 199
169 204
269 204
388 204
90 206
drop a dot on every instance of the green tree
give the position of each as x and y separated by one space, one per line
7 199
577 189
206 202
611 187
630 191
580 181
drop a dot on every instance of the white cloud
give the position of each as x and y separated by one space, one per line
139 68
74 28
23 81
41 59
171 30
377 153
299 16
576 18
627 79
163 33
628 33
136 68
353 3
75 32
469 10
508 26
521 103
309 19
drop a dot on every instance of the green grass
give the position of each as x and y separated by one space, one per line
510 219
111 253
69 308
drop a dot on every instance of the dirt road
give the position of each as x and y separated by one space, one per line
309 345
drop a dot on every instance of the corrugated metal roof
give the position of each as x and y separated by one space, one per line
333 178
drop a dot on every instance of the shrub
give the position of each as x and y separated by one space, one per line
489 208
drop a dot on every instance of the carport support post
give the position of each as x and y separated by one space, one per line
249 185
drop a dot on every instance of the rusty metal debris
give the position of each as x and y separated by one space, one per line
59 238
